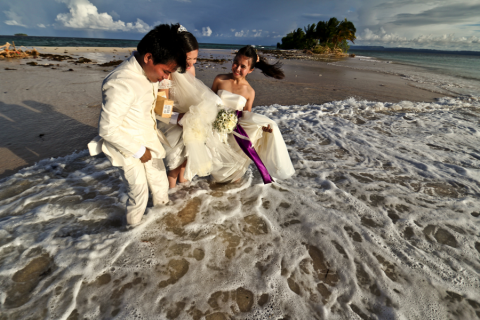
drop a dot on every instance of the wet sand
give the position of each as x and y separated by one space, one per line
52 109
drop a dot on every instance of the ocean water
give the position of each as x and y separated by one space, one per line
452 64
442 62
96 42
443 74
380 221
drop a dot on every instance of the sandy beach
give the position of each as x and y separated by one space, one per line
50 111
381 219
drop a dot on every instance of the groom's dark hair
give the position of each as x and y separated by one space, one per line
166 45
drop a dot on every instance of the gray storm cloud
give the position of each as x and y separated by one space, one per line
452 14
380 22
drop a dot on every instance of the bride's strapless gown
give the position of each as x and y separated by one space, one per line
270 147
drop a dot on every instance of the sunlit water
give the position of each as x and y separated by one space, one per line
447 74
447 63
380 221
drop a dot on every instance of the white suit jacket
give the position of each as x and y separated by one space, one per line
127 120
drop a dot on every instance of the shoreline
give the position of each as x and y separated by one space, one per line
49 111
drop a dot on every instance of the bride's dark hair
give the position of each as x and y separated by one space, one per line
269 70
190 42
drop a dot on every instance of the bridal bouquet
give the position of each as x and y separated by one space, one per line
225 122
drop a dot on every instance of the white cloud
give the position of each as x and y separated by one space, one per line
417 24
233 30
114 14
206 31
313 15
241 34
14 23
15 19
84 15
254 33
368 37
41 25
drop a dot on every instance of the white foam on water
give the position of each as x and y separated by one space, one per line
380 221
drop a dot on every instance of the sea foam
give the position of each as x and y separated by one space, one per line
381 220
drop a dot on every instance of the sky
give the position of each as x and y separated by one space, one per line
433 24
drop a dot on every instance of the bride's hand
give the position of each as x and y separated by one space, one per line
267 129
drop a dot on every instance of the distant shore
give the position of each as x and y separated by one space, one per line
52 109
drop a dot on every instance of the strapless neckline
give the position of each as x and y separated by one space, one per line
231 100
221 91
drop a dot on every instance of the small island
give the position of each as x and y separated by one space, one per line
325 38
21 35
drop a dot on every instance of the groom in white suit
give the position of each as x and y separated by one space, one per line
128 132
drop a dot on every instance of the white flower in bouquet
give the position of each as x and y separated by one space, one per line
225 122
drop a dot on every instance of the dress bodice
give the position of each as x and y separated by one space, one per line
232 100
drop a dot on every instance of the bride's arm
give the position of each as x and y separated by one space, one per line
216 84
250 98
220 83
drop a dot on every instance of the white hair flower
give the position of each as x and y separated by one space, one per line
182 29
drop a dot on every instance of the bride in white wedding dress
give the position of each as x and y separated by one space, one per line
195 107
197 149
265 144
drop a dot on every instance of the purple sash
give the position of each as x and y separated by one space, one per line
249 150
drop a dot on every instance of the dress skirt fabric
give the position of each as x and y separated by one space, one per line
270 147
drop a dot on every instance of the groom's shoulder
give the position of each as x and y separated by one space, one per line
124 74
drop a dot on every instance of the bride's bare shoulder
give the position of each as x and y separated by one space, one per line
223 76
218 82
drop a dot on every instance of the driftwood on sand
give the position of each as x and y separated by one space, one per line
7 52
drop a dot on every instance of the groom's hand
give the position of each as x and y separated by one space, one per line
147 156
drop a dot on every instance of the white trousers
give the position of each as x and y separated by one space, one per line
139 177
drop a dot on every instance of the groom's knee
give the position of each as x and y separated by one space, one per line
137 202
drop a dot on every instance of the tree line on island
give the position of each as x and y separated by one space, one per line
326 37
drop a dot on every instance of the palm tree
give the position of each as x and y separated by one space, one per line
326 31
293 40
298 38
310 36
321 32
344 31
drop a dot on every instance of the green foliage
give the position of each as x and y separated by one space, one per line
319 49
344 45
310 36
332 35
294 40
